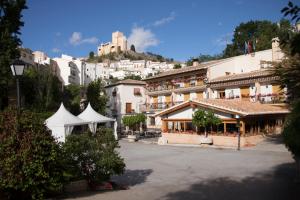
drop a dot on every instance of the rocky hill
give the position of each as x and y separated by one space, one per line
131 55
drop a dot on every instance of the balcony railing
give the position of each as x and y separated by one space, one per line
157 106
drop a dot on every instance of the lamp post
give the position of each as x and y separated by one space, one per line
17 68
237 117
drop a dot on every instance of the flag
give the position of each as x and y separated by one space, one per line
249 47
246 48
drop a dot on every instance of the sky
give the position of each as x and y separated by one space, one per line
177 29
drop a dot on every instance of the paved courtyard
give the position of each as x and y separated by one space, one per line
173 172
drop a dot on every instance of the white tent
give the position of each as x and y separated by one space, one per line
91 116
62 123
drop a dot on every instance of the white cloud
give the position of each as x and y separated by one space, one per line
76 39
142 38
56 50
165 20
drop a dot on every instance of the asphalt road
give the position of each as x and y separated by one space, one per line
172 172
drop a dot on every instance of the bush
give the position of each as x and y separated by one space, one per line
133 120
30 159
93 157
291 132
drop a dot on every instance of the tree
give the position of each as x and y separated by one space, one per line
42 90
177 66
10 24
258 33
91 55
132 48
133 77
212 119
96 95
72 97
289 72
203 119
200 120
203 58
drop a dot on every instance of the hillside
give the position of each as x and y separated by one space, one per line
131 55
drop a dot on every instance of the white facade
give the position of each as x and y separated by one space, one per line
242 64
93 71
122 94
41 57
71 70
232 93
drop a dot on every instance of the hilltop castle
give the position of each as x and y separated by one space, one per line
118 44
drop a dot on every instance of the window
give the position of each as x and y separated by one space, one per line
137 91
114 92
128 108
192 83
152 121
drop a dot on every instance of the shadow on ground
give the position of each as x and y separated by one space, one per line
277 185
129 178
133 177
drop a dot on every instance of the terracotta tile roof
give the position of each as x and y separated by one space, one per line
241 107
185 69
128 82
246 75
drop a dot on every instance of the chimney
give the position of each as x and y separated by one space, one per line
276 52
195 63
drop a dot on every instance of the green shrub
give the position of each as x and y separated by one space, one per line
134 120
93 157
30 159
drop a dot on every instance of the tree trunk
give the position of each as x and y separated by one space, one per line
205 132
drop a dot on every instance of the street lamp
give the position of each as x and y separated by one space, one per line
17 68
237 117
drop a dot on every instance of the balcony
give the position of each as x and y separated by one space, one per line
157 106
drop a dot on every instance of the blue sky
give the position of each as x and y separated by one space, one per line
176 29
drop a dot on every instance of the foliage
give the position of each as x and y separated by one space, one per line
10 24
292 10
213 119
289 72
202 58
133 77
96 95
291 132
131 55
177 66
91 55
200 119
93 157
72 97
260 33
42 90
203 119
132 48
30 159
134 120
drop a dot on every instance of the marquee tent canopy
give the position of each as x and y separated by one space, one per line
93 118
62 123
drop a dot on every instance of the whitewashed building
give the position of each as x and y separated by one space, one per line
125 98
71 70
